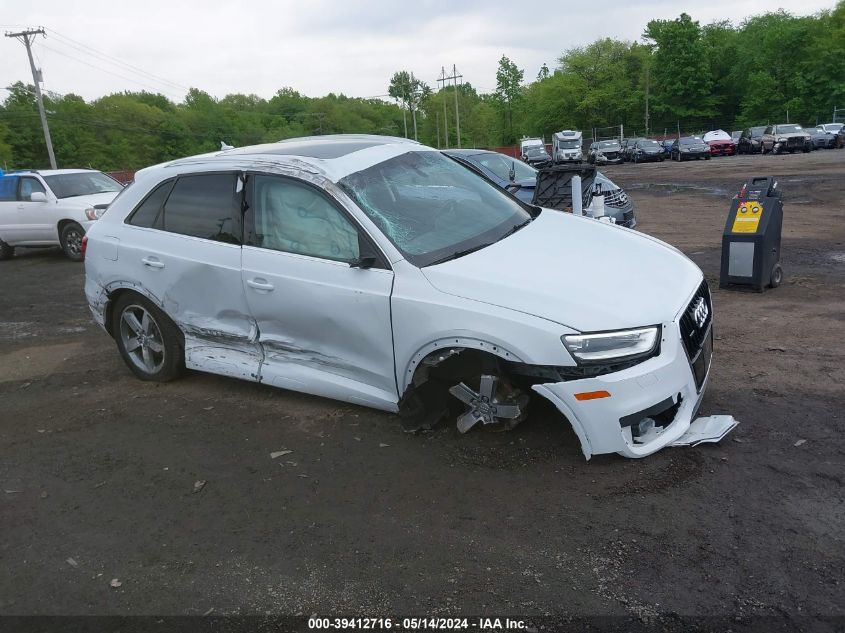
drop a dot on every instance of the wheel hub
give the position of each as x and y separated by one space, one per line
487 406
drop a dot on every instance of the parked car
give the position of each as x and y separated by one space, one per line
750 140
53 207
720 142
536 156
380 272
645 150
821 138
838 129
521 180
667 147
785 137
605 153
690 147
628 147
735 135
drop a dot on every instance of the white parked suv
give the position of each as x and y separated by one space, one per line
380 272
51 207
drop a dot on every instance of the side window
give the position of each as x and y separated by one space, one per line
148 213
8 188
204 205
768 131
29 186
292 217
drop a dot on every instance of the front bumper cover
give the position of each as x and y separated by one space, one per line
598 423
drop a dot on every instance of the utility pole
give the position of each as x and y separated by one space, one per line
437 127
442 80
27 37
404 116
455 76
413 109
646 98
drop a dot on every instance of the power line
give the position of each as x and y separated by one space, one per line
93 52
105 70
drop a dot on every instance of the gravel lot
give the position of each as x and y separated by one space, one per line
98 470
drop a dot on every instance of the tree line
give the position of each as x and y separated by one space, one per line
771 67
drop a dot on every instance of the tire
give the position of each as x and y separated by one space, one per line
6 251
159 355
71 241
776 278
707 157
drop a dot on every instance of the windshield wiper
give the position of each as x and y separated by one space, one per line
458 254
515 229
467 251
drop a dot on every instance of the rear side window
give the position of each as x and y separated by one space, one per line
204 205
148 213
8 188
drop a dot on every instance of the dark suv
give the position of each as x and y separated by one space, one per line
750 140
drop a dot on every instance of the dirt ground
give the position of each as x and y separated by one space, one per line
98 469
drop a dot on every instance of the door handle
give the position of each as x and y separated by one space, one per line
152 262
259 284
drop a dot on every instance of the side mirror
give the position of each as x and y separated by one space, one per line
38 196
512 171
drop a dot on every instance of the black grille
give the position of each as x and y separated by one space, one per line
697 334
795 141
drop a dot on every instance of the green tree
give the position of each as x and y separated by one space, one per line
508 92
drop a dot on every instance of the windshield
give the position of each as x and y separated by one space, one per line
611 145
431 207
82 184
834 127
787 129
500 165
573 144
691 141
758 131
536 151
648 144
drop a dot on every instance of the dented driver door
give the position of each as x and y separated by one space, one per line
323 324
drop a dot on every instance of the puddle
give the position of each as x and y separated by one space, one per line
661 187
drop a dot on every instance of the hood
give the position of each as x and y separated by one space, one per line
581 273
791 134
90 200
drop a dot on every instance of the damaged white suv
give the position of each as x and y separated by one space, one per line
377 271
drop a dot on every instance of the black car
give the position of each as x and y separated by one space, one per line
750 142
690 147
645 150
537 157
628 147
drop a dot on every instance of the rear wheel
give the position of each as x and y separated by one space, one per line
776 277
148 340
6 251
71 241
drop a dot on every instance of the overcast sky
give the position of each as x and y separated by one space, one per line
319 46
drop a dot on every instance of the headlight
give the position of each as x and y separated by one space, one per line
781 140
611 346
94 213
685 149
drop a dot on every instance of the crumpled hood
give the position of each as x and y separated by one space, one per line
83 202
578 272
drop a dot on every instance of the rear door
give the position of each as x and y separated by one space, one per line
323 325
184 251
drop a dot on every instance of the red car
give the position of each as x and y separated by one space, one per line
720 142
